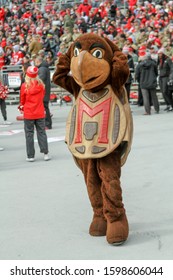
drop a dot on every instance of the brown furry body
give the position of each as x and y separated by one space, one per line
96 62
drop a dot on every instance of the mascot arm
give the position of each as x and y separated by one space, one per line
62 76
120 70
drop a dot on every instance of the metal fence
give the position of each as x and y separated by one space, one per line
12 76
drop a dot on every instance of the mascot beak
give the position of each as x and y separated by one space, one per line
88 70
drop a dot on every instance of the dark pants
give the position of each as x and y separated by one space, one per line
48 119
41 136
3 109
140 97
164 89
128 87
170 93
146 93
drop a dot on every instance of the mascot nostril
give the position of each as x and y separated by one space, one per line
99 127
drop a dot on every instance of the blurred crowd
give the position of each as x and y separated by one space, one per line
29 28
37 32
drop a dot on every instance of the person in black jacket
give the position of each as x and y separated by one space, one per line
140 97
131 68
146 74
112 11
44 75
164 66
170 88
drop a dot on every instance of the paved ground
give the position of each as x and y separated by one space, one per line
44 208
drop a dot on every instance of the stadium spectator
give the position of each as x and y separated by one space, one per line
44 75
4 60
2 14
164 64
17 56
35 46
170 88
31 103
146 74
84 7
141 23
3 95
131 68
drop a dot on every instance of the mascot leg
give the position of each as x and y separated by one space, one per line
110 171
98 226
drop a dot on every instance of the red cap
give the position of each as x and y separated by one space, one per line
158 42
141 53
39 32
59 53
32 71
142 48
130 40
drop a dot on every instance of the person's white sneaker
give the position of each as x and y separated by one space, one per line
7 122
1 149
30 159
46 157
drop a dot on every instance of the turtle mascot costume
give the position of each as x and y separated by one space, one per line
99 127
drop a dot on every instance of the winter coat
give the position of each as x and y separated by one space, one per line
170 79
32 100
44 75
68 22
2 14
35 47
165 67
84 8
46 45
146 74
131 68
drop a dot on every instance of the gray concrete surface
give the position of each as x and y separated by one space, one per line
44 208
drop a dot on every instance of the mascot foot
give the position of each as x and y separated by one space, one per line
98 227
117 231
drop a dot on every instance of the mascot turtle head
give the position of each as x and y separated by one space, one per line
93 62
91 58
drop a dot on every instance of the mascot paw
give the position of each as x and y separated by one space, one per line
117 231
98 227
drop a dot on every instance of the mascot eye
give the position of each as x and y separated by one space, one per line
97 54
76 51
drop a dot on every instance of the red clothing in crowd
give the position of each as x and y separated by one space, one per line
17 58
62 13
151 10
132 3
170 14
2 14
26 15
3 91
3 43
102 10
32 100
2 61
84 8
